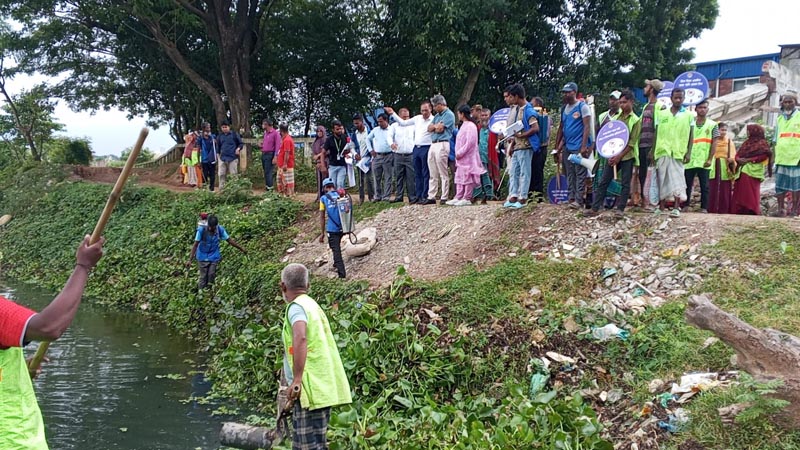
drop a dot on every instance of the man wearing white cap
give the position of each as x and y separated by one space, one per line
613 109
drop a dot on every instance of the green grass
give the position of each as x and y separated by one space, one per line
665 346
368 210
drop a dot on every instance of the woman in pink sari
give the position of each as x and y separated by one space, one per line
468 159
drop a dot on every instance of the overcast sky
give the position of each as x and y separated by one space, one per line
742 29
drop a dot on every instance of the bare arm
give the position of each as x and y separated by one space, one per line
236 245
689 146
53 320
560 136
299 352
586 129
322 225
534 128
404 123
193 252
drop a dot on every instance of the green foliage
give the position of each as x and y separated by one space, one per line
27 121
171 60
65 150
757 395
755 427
145 155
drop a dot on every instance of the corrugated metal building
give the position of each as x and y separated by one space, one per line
730 75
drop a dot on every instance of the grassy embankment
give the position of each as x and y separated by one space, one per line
432 364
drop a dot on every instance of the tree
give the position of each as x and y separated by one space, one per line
320 74
145 155
65 150
27 119
86 38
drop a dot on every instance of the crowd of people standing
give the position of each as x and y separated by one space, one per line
670 147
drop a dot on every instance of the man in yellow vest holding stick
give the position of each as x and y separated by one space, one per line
311 362
787 155
21 425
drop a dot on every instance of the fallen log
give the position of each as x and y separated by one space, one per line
765 354
246 437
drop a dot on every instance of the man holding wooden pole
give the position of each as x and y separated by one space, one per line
21 423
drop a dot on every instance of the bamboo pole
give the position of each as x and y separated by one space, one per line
101 223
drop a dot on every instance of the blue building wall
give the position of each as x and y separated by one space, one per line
749 66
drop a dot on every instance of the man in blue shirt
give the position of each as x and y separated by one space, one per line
333 226
206 249
230 145
208 155
441 130
573 136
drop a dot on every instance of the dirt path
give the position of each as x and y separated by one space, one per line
164 177
434 242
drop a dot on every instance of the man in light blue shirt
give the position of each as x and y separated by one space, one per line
441 129
380 143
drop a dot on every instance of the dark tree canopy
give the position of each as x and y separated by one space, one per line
306 61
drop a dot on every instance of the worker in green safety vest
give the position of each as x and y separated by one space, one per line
704 139
311 364
787 155
21 426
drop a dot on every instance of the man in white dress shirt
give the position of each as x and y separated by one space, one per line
422 143
403 148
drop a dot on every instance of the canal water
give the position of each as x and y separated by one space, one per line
118 381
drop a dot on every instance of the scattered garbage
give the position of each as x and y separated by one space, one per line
676 421
656 385
5 219
784 247
610 331
612 396
665 398
540 376
709 342
608 272
559 358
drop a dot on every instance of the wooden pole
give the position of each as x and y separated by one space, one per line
101 223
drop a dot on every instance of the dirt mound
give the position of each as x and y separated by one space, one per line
434 242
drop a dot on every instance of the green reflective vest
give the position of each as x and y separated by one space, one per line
672 133
701 144
633 141
755 170
21 425
787 147
324 380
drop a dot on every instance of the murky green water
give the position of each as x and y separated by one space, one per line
101 389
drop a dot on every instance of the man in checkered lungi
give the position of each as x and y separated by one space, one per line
311 362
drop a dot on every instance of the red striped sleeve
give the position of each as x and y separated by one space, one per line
13 321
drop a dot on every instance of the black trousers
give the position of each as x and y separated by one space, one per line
335 243
625 170
366 180
210 174
537 173
266 164
702 174
643 165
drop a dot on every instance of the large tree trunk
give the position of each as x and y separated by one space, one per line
765 354
469 86
471 81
